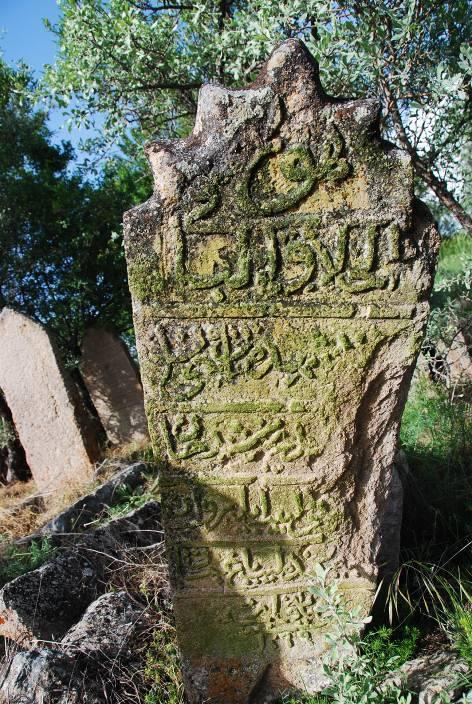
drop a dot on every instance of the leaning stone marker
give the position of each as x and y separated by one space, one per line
280 276
113 383
60 444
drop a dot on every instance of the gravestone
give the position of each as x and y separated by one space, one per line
280 276
113 383
459 360
58 437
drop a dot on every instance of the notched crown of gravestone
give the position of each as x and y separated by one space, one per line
280 276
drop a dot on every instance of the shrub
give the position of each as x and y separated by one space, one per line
355 669
436 435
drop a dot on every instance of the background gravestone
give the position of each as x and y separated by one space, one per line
58 437
280 276
459 360
113 383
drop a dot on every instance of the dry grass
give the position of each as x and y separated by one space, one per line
131 452
153 675
11 494
23 510
20 508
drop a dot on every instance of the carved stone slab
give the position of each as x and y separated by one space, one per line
113 383
280 276
59 440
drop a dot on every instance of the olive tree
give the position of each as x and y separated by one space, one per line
140 63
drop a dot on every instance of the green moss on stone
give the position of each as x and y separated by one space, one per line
144 279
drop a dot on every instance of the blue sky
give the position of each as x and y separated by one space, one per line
24 36
23 33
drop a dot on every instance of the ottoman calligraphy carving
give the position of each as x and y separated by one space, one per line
280 277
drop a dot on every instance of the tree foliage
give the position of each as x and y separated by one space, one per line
141 62
61 257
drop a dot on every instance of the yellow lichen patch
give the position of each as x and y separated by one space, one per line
275 181
207 257
351 193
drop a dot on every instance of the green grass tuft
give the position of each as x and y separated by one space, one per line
436 435
16 562
128 500
162 670
462 620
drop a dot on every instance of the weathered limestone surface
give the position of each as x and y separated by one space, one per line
44 603
113 383
280 276
58 437
106 627
81 667
459 360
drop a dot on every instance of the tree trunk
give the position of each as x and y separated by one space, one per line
443 194
421 166
13 464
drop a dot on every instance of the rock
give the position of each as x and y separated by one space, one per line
113 383
141 527
107 627
44 603
40 676
280 276
57 434
88 507
77 670
431 675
